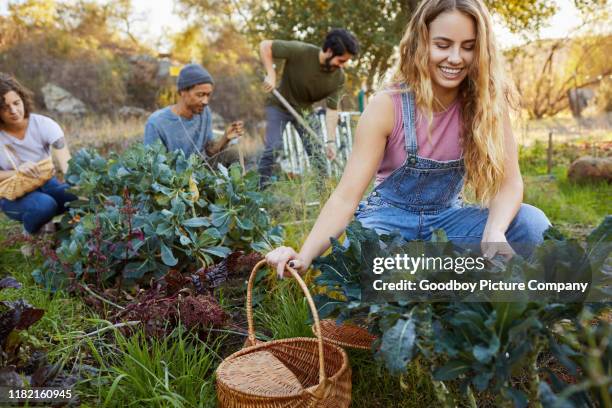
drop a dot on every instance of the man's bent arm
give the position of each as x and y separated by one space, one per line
214 147
265 52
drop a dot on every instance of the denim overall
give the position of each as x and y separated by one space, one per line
423 195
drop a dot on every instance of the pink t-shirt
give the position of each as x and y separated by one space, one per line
444 144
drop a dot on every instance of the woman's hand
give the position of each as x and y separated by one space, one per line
29 169
495 243
280 256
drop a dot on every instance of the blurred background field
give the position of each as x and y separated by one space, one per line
105 65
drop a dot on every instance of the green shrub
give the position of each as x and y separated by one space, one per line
147 210
486 348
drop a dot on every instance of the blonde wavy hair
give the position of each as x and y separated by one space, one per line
486 93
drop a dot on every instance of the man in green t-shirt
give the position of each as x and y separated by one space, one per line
310 74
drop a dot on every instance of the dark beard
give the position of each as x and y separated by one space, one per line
327 67
195 109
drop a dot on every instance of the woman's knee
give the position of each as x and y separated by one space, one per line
44 208
47 205
528 225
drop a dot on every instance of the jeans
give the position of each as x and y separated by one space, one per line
37 208
276 120
461 223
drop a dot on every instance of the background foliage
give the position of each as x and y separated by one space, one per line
88 47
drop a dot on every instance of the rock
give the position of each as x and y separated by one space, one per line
589 169
163 70
10 378
579 100
127 112
59 100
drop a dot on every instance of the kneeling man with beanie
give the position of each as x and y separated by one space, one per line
187 125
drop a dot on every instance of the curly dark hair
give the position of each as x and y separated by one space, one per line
340 41
8 83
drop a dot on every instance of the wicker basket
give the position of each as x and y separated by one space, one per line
20 184
296 372
345 335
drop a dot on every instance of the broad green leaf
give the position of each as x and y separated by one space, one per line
220 219
165 230
481 381
260 247
219 251
135 270
245 224
397 346
167 255
507 313
326 306
451 370
223 170
196 222
485 354
235 173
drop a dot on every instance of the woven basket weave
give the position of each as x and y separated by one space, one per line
288 373
20 184
345 335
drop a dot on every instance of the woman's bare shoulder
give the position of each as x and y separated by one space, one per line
380 112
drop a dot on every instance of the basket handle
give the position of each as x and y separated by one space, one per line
6 152
313 310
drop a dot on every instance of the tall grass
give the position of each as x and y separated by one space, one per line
139 371
297 202
284 312
375 387
573 208
564 128
567 203
62 313
102 133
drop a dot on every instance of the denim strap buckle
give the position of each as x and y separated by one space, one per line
409 118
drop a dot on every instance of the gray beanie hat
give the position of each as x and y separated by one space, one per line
193 74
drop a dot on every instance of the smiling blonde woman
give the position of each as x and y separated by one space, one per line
441 125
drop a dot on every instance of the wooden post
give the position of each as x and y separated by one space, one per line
549 153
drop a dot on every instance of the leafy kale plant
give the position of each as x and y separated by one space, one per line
145 210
